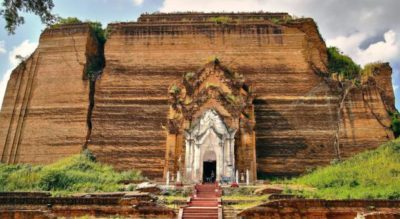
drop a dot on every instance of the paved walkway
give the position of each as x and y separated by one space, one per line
205 203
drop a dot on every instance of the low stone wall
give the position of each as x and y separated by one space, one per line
301 208
25 194
132 205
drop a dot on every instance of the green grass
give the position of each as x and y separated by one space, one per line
169 201
245 205
246 201
373 174
221 19
370 68
395 125
245 197
78 173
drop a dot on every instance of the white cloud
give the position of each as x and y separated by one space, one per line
2 47
138 2
386 50
24 49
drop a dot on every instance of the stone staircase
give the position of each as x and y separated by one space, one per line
205 203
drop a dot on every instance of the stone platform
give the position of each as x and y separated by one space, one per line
99 205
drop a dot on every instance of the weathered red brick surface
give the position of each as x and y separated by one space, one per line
44 112
17 206
296 108
332 209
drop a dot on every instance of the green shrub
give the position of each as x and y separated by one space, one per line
25 177
395 124
221 19
372 174
347 69
174 89
79 173
98 31
342 64
64 21
94 63
370 68
5 171
190 75
275 20
241 191
95 26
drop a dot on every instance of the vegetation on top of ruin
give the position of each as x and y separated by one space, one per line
342 64
65 21
372 174
78 173
346 69
370 69
228 19
95 26
173 13
94 64
221 19
286 20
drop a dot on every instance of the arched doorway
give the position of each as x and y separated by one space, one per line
209 151
209 167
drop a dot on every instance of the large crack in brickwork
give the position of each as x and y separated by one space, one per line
92 90
95 64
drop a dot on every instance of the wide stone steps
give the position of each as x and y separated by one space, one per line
199 212
204 204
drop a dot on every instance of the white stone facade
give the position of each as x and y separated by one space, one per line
209 139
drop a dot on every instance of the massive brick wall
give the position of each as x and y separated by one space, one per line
296 106
44 113
296 109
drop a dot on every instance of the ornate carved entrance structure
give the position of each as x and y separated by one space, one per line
209 140
211 119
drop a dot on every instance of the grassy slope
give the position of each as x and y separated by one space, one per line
372 174
78 173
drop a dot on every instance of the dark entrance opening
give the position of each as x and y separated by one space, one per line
209 171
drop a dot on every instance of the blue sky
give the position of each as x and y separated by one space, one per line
366 30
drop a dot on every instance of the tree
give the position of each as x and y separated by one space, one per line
11 10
